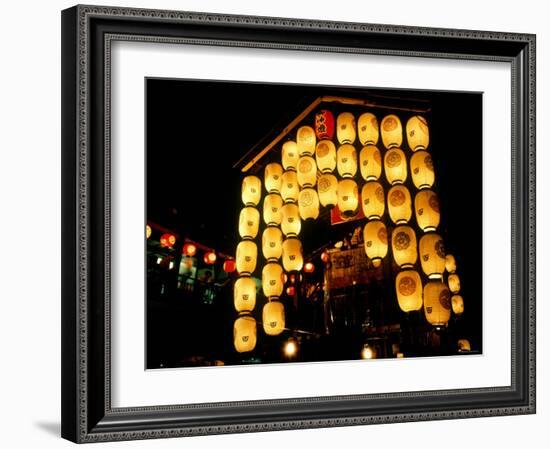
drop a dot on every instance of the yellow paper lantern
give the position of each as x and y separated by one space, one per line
307 171
418 134
289 155
392 131
454 283
247 255
305 139
346 161
327 188
273 317
148 231
293 259
370 163
244 294
348 197
308 204
395 166
375 237
244 333
426 207
458 304
432 255
251 190
272 209
345 128
399 204
450 263
290 220
422 170
249 221
290 188
437 303
273 177
404 246
325 155
368 352
373 200
368 129
464 345
272 243
408 287
272 280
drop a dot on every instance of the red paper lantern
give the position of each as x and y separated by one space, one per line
229 266
189 249
324 256
324 125
309 267
210 257
290 290
167 240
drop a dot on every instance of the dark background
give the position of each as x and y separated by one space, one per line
198 130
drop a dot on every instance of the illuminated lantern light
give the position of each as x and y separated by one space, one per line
272 280
432 255
395 166
399 204
392 131
418 133
272 209
190 249
273 177
450 263
247 256
345 128
305 139
244 334
291 224
229 265
464 345
307 171
408 287
457 304
290 348
289 156
167 240
348 197
422 170
308 204
400 355
210 258
404 246
367 127
293 259
346 161
148 231
309 267
325 155
324 125
290 290
244 294
437 303
290 188
325 256
375 237
454 283
272 243
327 189
370 163
426 207
249 221
368 352
373 200
251 190
273 318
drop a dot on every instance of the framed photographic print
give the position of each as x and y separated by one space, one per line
275 224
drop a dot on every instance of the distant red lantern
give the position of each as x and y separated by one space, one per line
324 125
290 290
229 266
167 240
324 256
210 258
292 279
309 267
189 249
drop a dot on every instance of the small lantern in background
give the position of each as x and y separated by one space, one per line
273 177
404 246
464 345
244 333
368 352
348 197
210 258
345 128
408 287
290 290
458 304
309 267
370 163
272 243
422 170
251 191
229 265
272 280
426 207
454 283
292 255
418 134
289 187
272 209
273 318
373 200
190 249
305 139
375 238
325 155
148 231
432 255
307 171
367 127
392 131
308 204
249 221
289 155
450 263
325 256
327 189
291 224
167 240
290 348
395 166
324 125
399 204
437 303
247 255
346 161
244 294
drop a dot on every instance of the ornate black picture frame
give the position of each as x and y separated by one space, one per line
87 34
